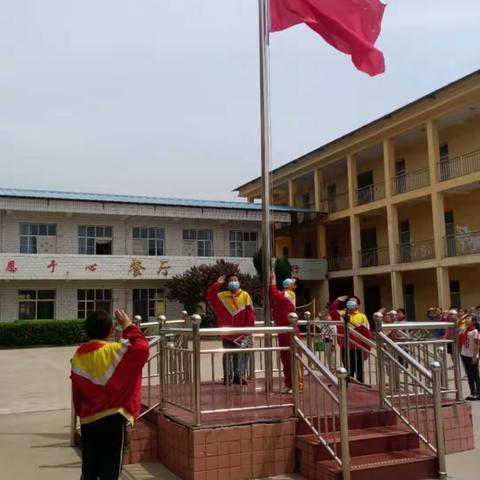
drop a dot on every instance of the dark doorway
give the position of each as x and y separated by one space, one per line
339 287
410 302
373 302
365 187
369 247
450 233
400 176
405 245
444 162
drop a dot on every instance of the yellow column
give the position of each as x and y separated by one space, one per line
355 240
393 232
324 295
291 193
443 286
318 181
388 162
397 290
352 180
358 289
439 232
433 142
321 240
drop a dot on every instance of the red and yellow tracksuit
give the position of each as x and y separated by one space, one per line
107 377
284 303
231 309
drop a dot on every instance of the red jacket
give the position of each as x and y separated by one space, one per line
231 310
107 377
283 303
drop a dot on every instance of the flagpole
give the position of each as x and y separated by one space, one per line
264 27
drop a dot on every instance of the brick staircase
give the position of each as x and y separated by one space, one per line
379 449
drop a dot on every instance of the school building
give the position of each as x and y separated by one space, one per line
64 255
396 204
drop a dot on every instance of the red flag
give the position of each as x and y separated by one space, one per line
351 26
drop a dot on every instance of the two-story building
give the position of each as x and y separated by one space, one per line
397 204
64 255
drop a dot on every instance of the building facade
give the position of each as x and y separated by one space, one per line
397 205
64 255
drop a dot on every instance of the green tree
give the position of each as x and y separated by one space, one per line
283 268
190 288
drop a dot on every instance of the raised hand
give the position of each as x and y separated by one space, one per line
122 319
221 279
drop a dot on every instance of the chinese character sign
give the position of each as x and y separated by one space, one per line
91 268
136 267
52 266
164 268
11 267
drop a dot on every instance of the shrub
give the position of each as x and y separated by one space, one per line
42 332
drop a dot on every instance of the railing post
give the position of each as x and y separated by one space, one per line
308 318
197 381
162 322
137 320
442 358
378 318
456 362
342 375
435 368
293 319
187 368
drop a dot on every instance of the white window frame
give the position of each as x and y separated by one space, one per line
95 236
237 242
154 236
37 300
90 305
29 233
202 243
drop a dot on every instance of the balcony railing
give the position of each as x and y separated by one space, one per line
339 263
370 193
335 203
372 257
410 181
456 167
416 251
462 244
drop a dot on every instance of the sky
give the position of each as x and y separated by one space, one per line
161 97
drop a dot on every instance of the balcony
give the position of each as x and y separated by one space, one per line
462 244
370 193
411 181
336 264
335 203
16 266
416 251
373 257
449 168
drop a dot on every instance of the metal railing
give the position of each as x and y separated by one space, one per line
416 251
336 264
370 193
456 167
372 257
462 244
335 203
411 181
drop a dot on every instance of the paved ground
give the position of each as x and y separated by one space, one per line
34 423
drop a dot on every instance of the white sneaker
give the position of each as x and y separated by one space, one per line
287 391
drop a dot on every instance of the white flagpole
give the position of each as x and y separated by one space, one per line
264 27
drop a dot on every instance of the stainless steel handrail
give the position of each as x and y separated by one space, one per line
417 325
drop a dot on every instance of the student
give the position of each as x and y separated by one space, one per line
470 340
357 321
233 308
106 387
284 303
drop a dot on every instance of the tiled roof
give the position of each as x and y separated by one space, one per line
138 199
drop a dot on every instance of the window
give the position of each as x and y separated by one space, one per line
88 301
444 162
37 238
455 293
242 244
148 241
36 304
306 200
149 303
95 240
198 242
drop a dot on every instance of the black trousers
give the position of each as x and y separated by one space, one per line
102 448
473 375
355 369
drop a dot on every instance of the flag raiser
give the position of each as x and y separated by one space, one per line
351 26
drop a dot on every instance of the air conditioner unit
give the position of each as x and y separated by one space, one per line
46 244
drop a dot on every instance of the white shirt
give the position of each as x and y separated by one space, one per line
470 349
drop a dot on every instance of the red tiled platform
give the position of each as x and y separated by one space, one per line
262 442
